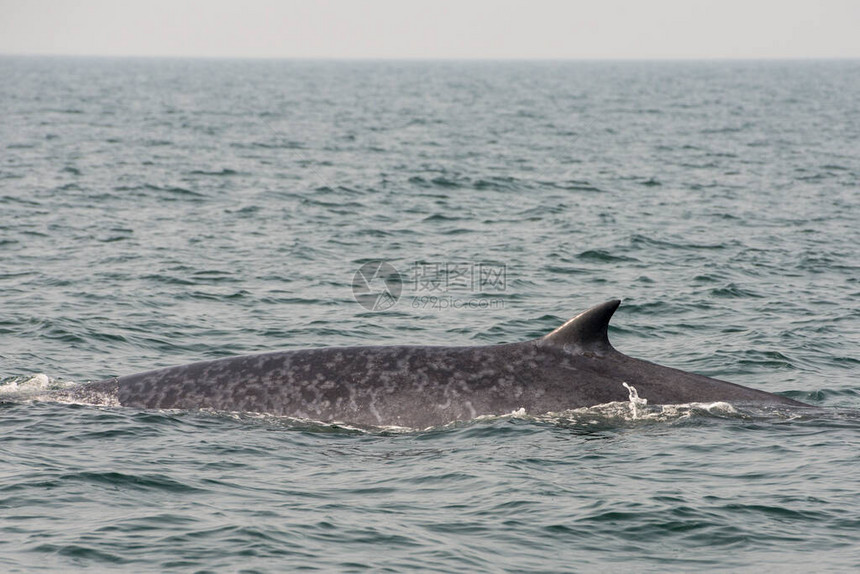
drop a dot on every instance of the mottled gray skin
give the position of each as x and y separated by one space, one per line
419 387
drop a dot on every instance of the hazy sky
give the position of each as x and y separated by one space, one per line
434 29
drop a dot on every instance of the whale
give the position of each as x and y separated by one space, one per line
420 387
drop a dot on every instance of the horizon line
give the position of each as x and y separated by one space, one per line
438 58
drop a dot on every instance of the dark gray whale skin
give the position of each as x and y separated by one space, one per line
420 387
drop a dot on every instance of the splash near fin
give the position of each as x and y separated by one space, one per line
586 331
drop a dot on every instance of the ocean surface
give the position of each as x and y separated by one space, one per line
159 212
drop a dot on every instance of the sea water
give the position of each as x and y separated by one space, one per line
158 212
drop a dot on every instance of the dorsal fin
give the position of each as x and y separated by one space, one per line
587 330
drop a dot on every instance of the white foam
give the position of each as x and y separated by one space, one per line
42 388
32 385
635 400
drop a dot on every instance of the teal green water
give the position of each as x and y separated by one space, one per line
157 212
